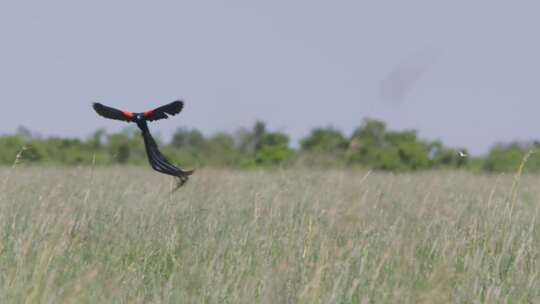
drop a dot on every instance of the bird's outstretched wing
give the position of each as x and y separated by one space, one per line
162 112
112 113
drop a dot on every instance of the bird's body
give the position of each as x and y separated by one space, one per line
157 161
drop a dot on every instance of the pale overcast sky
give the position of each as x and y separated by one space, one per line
465 72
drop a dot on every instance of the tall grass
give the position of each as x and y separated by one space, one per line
295 236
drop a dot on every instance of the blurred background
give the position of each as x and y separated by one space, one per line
391 86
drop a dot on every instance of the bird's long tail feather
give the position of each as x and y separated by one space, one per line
160 163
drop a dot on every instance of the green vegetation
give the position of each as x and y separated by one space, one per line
370 146
116 235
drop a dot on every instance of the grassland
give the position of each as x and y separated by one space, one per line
294 236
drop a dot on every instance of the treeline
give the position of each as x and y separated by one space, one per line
371 145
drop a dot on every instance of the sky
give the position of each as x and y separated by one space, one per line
464 72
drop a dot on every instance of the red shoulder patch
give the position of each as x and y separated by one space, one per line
148 113
128 114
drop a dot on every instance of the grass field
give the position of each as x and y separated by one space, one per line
118 236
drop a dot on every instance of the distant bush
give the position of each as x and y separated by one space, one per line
371 145
508 157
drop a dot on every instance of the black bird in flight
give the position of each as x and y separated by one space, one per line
156 159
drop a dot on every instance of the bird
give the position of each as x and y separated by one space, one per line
157 161
462 154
